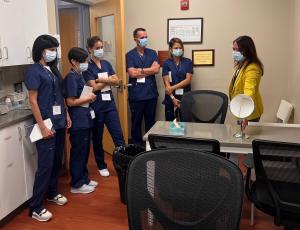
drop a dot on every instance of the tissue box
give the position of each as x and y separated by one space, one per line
177 130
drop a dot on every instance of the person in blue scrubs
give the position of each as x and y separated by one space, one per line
82 121
101 76
43 82
142 65
177 76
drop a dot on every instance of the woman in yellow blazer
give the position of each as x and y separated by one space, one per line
248 70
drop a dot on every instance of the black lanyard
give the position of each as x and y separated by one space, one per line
53 80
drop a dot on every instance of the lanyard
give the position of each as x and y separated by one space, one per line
49 73
142 57
79 75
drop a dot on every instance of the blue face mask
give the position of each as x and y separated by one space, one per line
237 56
49 55
143 42
177 52
83 66
99 53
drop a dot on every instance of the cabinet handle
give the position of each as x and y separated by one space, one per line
29 55
7 138
6 51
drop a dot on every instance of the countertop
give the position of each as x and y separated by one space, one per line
14 117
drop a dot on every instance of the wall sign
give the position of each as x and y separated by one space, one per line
203 57
184 4
189 30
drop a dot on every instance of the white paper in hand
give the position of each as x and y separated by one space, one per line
87 90
36 133
104 76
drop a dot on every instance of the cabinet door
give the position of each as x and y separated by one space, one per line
35 20
30 158
12 179
12 33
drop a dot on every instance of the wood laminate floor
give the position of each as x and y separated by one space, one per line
103 210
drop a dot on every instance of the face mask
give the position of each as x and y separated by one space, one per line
49 55
83 66
98 53
237 56
177 52
143 42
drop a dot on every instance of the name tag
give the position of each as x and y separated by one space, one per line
103 75
179 91
141 80
93 114
170 76
106 97
56 110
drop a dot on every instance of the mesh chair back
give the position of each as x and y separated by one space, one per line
277 168
184 189
204 106
207 145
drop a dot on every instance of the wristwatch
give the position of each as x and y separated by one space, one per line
142 71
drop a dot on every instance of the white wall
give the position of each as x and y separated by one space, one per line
294 60
267 22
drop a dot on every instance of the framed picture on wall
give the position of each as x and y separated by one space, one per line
189 30
203 57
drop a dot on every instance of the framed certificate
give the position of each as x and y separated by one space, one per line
203 57
189 30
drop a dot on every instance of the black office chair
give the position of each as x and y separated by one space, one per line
276 190
204 106
183 189
207 145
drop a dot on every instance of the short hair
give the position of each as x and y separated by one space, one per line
78 54
135 32
92 41
41 43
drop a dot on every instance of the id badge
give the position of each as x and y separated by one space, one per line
56 110
179 91
141 80
106 97
93 115
170 76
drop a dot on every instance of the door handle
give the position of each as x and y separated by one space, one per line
119 86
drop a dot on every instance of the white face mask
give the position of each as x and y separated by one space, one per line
49 55
83 66
98 53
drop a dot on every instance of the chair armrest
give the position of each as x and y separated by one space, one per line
248 161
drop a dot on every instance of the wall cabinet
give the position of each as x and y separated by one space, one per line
20 23
18 162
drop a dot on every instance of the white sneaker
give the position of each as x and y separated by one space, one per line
104 172
93 183
59 199
44 215
83 189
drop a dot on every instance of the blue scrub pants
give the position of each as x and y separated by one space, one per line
50 153
111 120
170 114
80 149
140 109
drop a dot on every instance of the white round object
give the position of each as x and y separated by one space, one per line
242 106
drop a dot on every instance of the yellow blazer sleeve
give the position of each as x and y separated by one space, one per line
252 76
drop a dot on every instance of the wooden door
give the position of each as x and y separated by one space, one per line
69 34
114 8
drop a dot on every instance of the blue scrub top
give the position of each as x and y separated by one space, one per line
48 86
92 74
178 74
80 116
141 91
